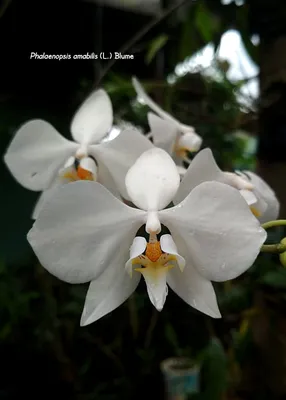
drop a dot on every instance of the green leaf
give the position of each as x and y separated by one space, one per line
189 41
276 279
214 371
155 46
205 22
171 336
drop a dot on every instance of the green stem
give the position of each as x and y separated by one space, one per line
278 247
271 224
273 248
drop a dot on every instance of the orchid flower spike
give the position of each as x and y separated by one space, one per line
40 158
213 237
167 132
259 196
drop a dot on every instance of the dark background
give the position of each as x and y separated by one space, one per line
43 351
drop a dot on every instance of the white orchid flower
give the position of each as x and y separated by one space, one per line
166 131
258 195
264 194
40 158
213 236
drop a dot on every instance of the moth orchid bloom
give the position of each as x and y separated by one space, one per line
213 236
267 205
259 196
167 132
40 158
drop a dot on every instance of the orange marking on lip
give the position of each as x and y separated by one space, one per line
153 251
83 174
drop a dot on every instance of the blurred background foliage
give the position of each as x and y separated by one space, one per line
43 350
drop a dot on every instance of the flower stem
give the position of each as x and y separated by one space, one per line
277 247
273 248
271 224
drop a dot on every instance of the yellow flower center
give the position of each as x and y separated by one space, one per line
155 261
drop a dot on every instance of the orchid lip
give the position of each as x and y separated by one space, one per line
80 169
154 261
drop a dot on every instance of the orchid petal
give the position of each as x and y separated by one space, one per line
190 140
237 181
36 153
168 246
195 290
257 205
108 291
81 230
69 170
264 191
93 119
137 248
223 236
181 170
248 196
44 197
104 177
156 285
39 204
153 180
202 168
164 133
119 154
